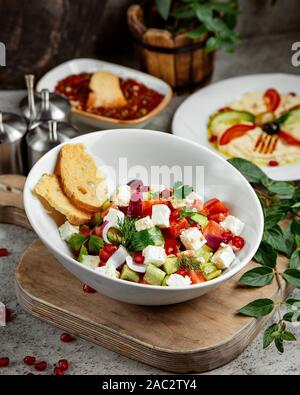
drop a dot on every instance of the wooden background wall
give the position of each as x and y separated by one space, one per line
40 34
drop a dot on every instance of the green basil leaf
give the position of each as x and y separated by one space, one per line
268 337
225 8
297 240
292 276
198 32
289 241
281 188
82 254
250 171
258 308
272 218
181 191
164 8
95 244
288 337
295 227
291 317
258 277
144 238
266 255
295 260
279 344
77 241
292 302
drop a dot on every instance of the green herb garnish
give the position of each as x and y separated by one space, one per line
147 237
77 241
128 231
95 244
181 191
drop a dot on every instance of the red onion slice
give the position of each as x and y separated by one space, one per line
106 226
118 258
134 266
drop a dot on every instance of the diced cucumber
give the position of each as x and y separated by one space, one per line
129 275
205 253
230 118
171 265
147 237
200 219
210 271
154 275
164 283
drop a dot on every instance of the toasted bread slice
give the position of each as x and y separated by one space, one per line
81 181
49 188
106 91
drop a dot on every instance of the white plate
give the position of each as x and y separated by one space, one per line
77 66
191 118
140 148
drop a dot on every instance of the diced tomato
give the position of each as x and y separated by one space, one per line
85 230
234 132
198 205
98 231
107 251
148 204
215 206
213 229
176 227
143 281
182 272
217 217
204 212
174 215
171 246
228 236
196 277
290 140
139 258
272 99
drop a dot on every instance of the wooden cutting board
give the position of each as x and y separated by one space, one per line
195 336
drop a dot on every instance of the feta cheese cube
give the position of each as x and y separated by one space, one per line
192 239
122 196
224 257
192 197
233 224
115 216
176 280
161 216
108 271
154 255
67 230
143 224
157 188
91 261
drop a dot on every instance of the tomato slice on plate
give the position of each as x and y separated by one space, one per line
290 140
272 99
234 132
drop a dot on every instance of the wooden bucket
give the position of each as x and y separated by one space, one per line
178 60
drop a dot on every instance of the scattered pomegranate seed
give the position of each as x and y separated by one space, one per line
63 364
273 163
228 236
213 138
40 366
4 362
139 258
58 372
29 361
238 242
66 338
88 289
3 252
8 315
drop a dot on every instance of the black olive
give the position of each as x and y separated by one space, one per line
271 128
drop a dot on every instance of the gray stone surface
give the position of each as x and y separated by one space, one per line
26 335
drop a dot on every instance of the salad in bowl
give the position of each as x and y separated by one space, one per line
160 236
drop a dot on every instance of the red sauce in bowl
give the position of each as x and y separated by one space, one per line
141 100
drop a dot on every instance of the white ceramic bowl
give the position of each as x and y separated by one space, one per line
150 148
77 66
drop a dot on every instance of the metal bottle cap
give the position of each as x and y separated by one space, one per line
12 128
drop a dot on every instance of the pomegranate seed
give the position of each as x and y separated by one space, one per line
3 252
4 362
273 163
29 361
88 289
63 364
238 242
227 236
66 338
8 315
58 372
40 366
139 258
213 138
